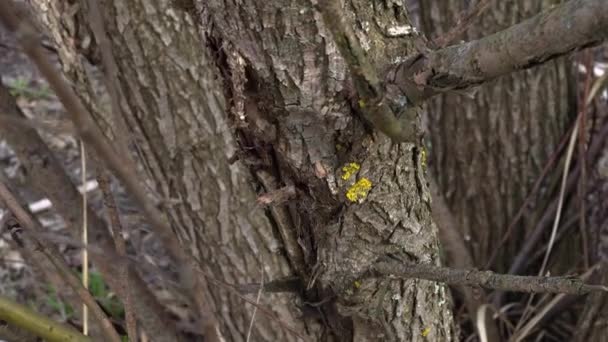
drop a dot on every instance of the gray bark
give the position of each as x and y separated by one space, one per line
211 82
487 151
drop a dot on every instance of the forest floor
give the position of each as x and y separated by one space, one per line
17 279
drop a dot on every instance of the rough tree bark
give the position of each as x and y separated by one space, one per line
487 151
228 100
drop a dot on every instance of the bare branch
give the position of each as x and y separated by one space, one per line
48 179
91 135
485 279
553 33
31 228
21 316
121 249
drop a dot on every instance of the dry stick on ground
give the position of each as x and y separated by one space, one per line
23 317
91 135
48 179
31 228
103 179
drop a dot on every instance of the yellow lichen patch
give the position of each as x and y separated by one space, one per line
361 103
349 170
357 284
426 332
359 190
423 157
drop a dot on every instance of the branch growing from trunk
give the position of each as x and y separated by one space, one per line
399 123
485 279
553 33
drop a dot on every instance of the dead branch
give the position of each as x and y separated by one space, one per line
92 136
86 127
48 178
31 228
103 179
485 279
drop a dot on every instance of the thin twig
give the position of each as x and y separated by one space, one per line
570 150
485 279
31 232
91 135
257 301
234 290
282 285
525 330
110 74
562 191
103 180
85 239
528 200
582 156
532 239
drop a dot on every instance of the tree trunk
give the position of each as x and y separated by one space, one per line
227 100
487 151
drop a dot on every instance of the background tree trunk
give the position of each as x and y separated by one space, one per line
225 101
487 151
